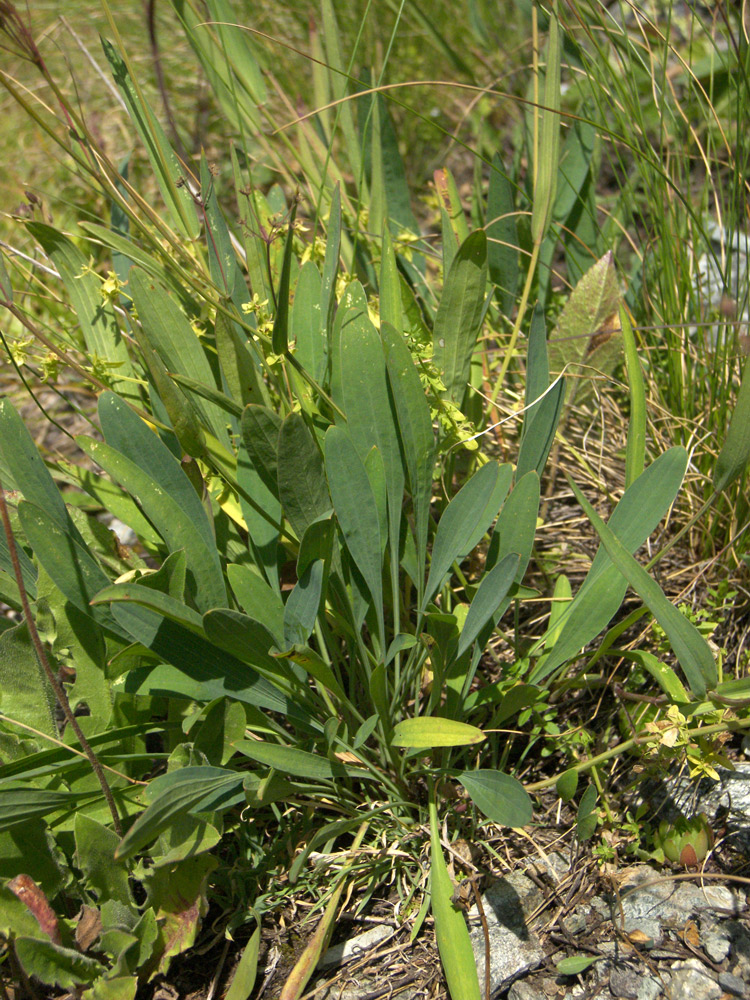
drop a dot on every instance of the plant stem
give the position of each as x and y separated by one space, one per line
636 741
55 684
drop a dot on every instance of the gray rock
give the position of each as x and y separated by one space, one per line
715 940
355 947
650 906
524 991
691 981
623 982
649 988
733 984
514 948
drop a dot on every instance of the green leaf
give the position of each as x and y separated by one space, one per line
690 648
600 595
428 731
575 163
735 452
451 932
54 965
6 288
257 599
203 670
223 724
303 603
547 154
237 362
171 336
222 262
586 818
416 434
356 512
190 789
301 481
330 264
567 784
540 430
502 236
95 856
126 433
67 560
280 337
181 523
244 637
298 763
488 598
27 469
370 418
27 696
575 964
146 597
307 326
501 798
179 408
465 520
95 314
390 286
636 446
243 979
170 174
459 315
19 804
260 433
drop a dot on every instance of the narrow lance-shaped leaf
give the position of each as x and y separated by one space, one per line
601 594
331 264
222 262
415 430
547 154
356 512
502 236
465 520
459 315
735 454
488 598
94 313
454 943
370 418
170 174
280 336
690 647
301 481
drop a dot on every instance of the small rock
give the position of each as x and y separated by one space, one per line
355 947
525 991
649 988
623 982
732 984
514 948
691 981
715 941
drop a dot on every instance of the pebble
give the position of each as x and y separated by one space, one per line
733 984
623 982
691 981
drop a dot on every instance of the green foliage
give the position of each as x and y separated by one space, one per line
295 432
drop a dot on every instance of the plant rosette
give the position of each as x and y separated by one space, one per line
685 841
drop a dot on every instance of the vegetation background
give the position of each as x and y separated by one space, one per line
355 322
